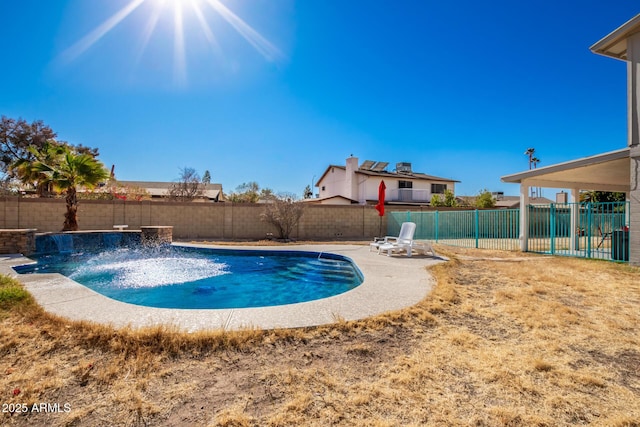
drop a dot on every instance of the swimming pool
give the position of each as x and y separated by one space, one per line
201 278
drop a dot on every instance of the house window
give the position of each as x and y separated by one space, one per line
323 188
405 184
438 188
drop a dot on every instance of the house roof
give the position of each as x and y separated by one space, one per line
400 175
405 175
604 172
319 200
514 201
614 45
327 171
160 189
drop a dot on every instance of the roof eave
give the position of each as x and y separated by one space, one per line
614 45
585 161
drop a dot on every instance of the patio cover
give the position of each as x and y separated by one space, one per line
615 44
603 172
613 171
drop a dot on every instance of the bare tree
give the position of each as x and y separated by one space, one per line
284 213
188 187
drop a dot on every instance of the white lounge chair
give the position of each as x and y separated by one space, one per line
404 242
389 242
423 246
407 230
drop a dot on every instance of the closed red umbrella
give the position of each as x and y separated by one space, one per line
381 194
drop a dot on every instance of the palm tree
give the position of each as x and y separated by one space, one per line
50 153
588 196
530 152
533 161
70 172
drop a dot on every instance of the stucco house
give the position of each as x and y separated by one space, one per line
358 184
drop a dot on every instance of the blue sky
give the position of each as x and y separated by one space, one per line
274 91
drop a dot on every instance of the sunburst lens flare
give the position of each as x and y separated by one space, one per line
179 56
181 11
206 29
90 39
262 45
148 31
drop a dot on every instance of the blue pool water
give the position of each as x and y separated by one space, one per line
181 277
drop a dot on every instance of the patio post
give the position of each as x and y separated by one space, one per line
524 216
552 227
633 99
574 200
633 89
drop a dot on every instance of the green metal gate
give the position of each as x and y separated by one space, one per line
587 230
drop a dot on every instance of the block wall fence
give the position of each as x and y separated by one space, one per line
232 221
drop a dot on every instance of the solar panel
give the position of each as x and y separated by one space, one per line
380 166
367 164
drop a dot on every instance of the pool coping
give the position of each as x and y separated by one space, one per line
390 283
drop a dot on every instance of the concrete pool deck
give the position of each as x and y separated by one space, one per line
390 283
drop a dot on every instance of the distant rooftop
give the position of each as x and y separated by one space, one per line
161 188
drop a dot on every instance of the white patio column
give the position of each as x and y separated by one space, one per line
633 89
524 217
574 198
634 206
633 99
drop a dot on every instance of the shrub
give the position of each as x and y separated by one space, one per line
12 293
448 199
283 213
485 200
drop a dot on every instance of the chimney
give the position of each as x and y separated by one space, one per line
561 197
351 182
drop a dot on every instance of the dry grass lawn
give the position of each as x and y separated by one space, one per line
505 339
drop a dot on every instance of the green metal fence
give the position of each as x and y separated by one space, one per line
588 230
486 229
591 230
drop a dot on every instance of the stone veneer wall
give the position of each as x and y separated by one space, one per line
17 241
194 220
156 235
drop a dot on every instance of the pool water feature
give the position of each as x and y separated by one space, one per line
91 241
200 278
